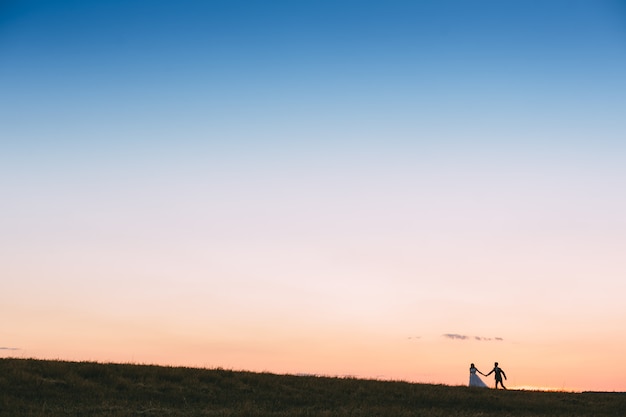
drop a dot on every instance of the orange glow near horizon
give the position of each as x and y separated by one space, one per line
363 327
340 353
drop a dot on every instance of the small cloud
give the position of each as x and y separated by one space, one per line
8 348
454 336
414 337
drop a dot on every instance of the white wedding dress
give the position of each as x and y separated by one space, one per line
475 380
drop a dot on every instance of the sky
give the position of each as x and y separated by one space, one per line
378 189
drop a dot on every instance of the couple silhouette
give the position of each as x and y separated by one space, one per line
475 380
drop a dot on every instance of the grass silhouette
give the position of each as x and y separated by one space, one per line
30 387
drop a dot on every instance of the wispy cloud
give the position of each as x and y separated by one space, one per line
8 348
455 336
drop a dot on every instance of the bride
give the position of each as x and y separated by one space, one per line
475 380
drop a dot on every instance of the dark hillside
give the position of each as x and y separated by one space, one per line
53 388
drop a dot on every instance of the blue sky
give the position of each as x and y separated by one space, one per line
316 175
296 73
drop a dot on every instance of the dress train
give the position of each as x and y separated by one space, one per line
475 380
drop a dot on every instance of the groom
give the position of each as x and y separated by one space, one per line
499 373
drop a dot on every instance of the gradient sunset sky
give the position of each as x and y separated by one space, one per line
389 189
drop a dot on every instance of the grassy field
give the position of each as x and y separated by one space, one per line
31 387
